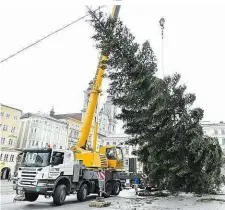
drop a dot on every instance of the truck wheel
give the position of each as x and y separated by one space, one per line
31 196
116 188
82 193
108 190
59 195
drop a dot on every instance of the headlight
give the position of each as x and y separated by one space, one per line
42 184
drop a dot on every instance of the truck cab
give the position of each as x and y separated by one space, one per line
42 169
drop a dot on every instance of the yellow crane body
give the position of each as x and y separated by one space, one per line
94 159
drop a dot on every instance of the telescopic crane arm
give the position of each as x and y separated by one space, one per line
93 99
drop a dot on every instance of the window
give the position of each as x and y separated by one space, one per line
111 153
222 131
10 141
60 147
36 144
57 158
126 162
54 146
15 117
7 115
2 114
127 151
107 143
215 131
0 156
5 127
223 141
6 157
13 129
33 130
114 143
3 140
11 158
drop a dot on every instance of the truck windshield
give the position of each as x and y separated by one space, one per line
36 159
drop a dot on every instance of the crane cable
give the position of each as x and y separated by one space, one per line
47 36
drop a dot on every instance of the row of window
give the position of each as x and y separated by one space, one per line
7 115
35 143
47 125
74 133
6 128
3 141
216 131
6 157
104 128
114 143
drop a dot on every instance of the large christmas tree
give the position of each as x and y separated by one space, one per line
157 113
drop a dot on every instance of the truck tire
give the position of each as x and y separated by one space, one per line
82 193
59 195
108 190
31 197
116 188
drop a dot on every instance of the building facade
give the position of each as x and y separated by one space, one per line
8 161
9 125
9 129
215 130
74 127
39 130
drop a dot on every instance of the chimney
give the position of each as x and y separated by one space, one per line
52 112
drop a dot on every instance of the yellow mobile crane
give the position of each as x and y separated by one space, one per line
58 173
93 159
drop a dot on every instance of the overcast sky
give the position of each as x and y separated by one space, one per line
57 71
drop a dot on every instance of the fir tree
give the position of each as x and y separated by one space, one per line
157 113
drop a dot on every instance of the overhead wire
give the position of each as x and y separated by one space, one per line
47 36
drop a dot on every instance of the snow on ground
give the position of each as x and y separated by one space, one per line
128 200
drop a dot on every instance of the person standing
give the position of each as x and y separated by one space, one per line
136 182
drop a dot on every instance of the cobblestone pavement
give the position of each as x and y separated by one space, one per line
127 200
6 187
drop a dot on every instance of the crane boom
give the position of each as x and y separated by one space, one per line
93 99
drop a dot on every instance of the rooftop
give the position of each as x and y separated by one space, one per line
10 107
221 123
76 116
27 115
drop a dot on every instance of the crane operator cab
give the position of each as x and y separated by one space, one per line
114 156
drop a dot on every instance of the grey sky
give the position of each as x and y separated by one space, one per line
56 71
